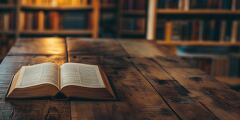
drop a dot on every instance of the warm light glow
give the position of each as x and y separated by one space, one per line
54 45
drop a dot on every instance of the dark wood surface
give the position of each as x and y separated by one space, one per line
149 84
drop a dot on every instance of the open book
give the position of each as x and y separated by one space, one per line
74 80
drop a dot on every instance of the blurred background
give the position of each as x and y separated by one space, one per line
206 33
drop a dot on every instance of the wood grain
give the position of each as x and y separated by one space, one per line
87 47
25 54
131 89
41 46
172 91
141 49
217 97
149 83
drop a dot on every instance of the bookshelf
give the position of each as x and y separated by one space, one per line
57 18
80 18
132 18
205 23
108 19
7 26
144 19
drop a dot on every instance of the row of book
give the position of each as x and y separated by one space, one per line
211 4
133 24
134 4
7 21
57 2
53 20
213 30
199 4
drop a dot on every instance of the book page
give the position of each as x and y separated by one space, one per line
38 74
81 75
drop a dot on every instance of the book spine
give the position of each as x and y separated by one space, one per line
238 31
168 29
54 21
234 31
223 30
21 21
180 4
186 5
234 5
40 20
6 18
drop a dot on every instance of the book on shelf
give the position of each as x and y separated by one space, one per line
198 4
170 4
75 20
108 2
161 29
238 31
6 21
108 26
9 2
134 4
52 20
234 34
211 4
71 80
135 24
237 4
226 30
198 29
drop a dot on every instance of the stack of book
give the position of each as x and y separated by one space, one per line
209 30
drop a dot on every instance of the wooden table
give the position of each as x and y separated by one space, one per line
149 84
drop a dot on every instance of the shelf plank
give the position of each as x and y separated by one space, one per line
10 32
197 43
8 7
131 32
197 12
61 33
47 8
108 6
